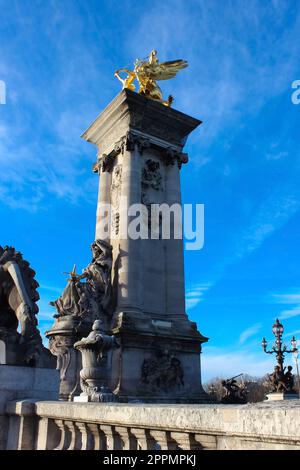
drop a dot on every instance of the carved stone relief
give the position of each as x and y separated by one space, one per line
162 372
60 347
68 361
152 182
151 175
151 179
115 198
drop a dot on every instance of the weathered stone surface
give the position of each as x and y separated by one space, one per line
62 336
28 382
140 153
140 426
2 352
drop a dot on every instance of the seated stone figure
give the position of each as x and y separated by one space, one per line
282 381
86 298
289 380
93 297
277 380
18 309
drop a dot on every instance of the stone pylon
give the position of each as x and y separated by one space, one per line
140 154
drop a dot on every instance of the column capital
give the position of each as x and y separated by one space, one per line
173 156
103 164
134 141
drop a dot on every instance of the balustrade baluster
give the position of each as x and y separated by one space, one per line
144 439
86 436
65 436
113 438
98 437
129 441
75 441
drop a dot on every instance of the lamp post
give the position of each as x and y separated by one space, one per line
282 382
295 354
279 348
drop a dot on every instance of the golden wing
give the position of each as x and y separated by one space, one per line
166 70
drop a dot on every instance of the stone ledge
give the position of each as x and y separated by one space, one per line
132 110
263 419
263 426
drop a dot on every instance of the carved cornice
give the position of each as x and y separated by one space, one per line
132 141
104 163
135 141
172 157
133 111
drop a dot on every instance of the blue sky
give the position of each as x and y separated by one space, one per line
58 58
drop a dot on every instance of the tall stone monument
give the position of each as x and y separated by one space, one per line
140 154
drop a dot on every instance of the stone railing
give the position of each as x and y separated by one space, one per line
94 426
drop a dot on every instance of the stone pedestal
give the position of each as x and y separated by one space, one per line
140 154
277 396
62 336
94 373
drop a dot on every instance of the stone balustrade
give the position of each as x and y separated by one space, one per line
96 426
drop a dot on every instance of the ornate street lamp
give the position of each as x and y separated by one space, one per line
282 380
295 354
279 348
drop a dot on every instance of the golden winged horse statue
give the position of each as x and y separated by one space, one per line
147 72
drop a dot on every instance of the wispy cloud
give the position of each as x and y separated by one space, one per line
246 334
195 295
217 364
55 289
41 152
286 298
292 333
290 298
221 92
276 153
272 215
289 313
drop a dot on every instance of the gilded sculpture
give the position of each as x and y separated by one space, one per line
147 72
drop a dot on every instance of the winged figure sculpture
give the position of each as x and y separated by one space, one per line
147 72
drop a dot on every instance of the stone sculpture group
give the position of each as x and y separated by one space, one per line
18 310
86 303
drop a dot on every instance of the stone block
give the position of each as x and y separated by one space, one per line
275 396
17 382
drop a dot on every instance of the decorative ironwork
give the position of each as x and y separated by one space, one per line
281 381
